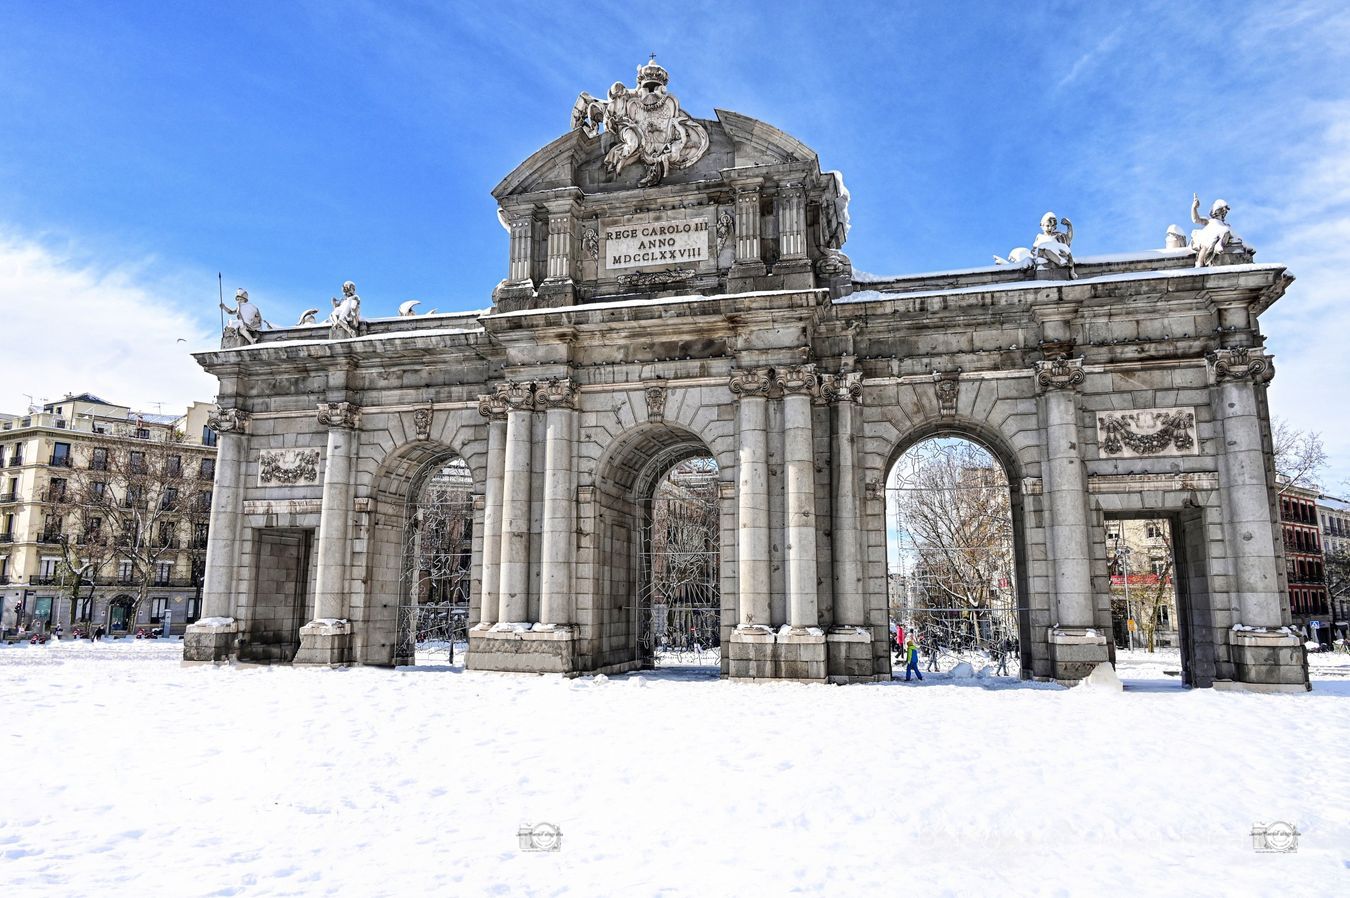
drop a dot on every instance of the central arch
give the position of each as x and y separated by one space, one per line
642 616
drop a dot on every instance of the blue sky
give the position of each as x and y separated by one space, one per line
147 146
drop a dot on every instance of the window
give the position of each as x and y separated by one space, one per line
137 462
173 465
204 500
1113 531
93 531
85 610
13 490
100 490
4 568
16 457
142 433
163 573
158 608
194 609
47 568
167 538
124 573
56 490
51 529
8 533
1159 567
208 470
199 533
209 436
98 459
169 500
61 455
135 497
1153 530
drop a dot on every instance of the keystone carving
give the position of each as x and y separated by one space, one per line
656 403
422 423
948 386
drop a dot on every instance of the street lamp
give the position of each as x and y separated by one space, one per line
1123 555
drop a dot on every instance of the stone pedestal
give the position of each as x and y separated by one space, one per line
848 652
210 639
1075 652
325 642
521 650
758 653
1267 661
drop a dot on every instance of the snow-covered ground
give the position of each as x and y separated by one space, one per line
125 773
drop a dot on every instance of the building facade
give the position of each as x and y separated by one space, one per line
57 524
1334 516
1305 563
1143 585
676 288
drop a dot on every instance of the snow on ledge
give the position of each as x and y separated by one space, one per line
213 625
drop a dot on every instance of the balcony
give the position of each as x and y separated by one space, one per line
59 461
49 537
165 544
44 580
9 497
16 461
6 537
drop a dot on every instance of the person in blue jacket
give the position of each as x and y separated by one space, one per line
912 659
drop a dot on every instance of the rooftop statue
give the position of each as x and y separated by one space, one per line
345 319
407 309
247 325
1051 248
1175 238
647 124
1215 236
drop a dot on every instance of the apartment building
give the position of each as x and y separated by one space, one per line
97 501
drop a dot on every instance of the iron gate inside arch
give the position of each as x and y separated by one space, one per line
679 592
952 578
433 611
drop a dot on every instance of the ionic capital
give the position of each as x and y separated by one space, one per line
748 383
493 406
339 414
1239 364
228 420
798 380
1059 374
845 386
557 392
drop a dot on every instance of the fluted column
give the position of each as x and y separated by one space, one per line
791 205
514 579
493 408
800 386
227 500
844 392
560 245
1235 374
522 236
1065 492
747 225
335 511
752 496
558 398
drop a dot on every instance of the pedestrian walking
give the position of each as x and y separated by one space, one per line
932 649
899 642
98 634
911 659
1003 653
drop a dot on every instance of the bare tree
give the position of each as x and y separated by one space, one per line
1336 569
953 509
76 528
1299 455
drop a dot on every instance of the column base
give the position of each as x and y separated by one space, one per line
516 648
325 642
758 653
210 639
848 653
1266 660
1075 652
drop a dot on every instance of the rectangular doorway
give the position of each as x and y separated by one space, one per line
281 594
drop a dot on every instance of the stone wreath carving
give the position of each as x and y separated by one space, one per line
653 278
289 467
1147 432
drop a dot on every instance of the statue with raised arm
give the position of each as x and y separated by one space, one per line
1052 246
247 325
345 319
1214 237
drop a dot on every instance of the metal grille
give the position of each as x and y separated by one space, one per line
679 596
952 581
433 610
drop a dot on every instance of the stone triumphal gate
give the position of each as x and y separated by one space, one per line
676 289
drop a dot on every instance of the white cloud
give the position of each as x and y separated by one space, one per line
73 326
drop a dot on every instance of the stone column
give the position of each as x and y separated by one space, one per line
212 637
514 581
1265 656
1075 644
749 265
752 498
799 386
558 398
844 392
559 246
791 222
522 238
493 408
326 638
